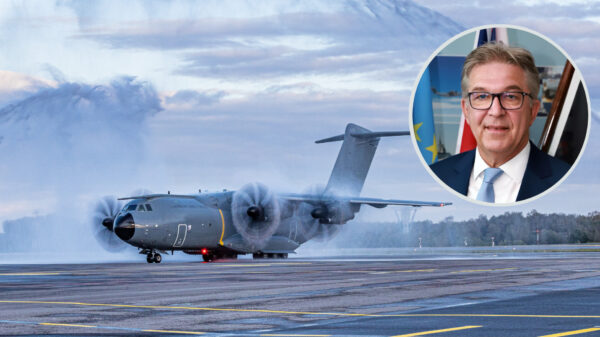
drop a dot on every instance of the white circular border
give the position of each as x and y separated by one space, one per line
412 99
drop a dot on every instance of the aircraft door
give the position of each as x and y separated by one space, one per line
181 234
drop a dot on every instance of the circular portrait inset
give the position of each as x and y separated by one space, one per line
500 115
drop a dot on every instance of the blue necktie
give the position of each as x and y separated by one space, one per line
486 191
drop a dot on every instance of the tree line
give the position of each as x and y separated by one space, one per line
510 228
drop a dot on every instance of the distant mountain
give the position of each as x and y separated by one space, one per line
404 17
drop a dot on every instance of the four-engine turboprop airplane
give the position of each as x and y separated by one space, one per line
253 220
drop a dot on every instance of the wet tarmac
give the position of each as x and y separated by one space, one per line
478 293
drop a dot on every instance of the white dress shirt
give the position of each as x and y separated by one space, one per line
506 187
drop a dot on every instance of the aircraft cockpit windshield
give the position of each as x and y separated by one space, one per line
129 207
144 208
137 207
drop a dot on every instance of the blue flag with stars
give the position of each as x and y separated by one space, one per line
423 127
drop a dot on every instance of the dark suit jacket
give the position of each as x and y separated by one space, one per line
542 171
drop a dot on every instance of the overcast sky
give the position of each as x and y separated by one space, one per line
109 97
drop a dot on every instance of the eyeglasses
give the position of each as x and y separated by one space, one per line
509 100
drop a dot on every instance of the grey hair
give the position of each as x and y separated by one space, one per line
499 52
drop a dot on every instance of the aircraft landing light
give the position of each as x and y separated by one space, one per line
431 332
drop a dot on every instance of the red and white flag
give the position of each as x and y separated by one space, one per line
466 141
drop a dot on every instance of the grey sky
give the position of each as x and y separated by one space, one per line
244 89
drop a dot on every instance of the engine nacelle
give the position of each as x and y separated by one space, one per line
334 213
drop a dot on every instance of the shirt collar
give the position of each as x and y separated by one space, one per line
514 168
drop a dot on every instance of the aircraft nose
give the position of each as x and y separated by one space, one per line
125 226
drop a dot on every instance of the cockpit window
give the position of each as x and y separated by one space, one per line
148 208
131 207
141 208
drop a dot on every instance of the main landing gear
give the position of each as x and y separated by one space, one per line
153 256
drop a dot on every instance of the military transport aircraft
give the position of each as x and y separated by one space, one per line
253 220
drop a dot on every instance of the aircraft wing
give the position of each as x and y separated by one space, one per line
381 203
374 202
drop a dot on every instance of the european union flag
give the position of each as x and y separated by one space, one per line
424 128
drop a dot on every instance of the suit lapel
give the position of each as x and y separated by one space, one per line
537 170
462 169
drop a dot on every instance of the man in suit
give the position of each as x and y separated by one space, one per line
499 101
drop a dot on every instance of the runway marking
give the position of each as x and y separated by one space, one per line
341 314
574 332
288 335
30 274
71 325
480 270
177 332
431 332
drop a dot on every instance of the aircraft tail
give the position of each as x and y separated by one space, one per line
354 159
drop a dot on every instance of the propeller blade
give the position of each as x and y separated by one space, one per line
102 219
256 214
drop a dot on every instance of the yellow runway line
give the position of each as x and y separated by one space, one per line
431 332
70 325
341 314
30 274
574 332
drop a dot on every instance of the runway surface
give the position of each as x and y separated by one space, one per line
493 293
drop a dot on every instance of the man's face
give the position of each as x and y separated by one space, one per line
500 133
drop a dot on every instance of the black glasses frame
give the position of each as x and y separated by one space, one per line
498 94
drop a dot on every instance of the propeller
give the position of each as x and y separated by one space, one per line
105 211
322 218
256 213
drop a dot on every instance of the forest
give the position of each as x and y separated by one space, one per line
510 228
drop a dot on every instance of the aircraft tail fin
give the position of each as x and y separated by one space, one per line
354 159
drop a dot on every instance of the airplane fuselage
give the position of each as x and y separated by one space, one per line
253 219
199 224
